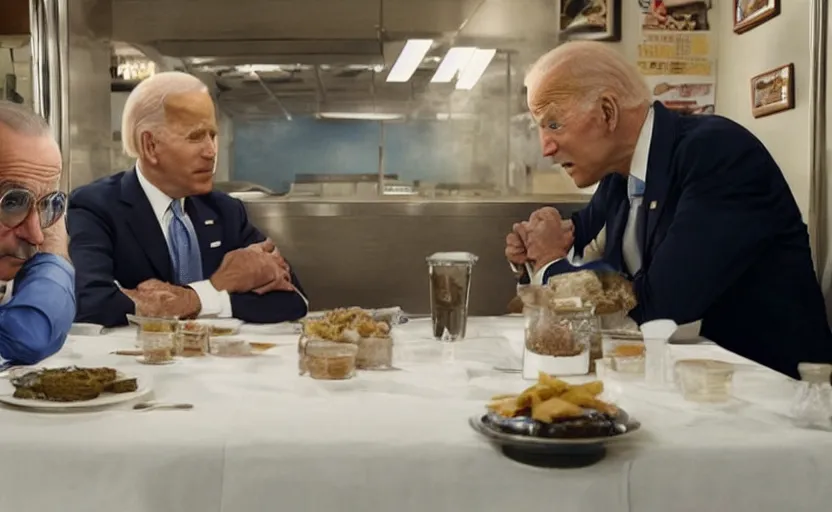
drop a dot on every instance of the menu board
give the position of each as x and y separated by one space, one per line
677 54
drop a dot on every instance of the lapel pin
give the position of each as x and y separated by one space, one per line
209 222
215 244
653 205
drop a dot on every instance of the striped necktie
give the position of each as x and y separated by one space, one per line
183 247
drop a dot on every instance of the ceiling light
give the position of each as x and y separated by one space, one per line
258 68
364 116
455 61
412 54
475 68
445 116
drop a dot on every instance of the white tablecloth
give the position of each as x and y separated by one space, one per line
263 438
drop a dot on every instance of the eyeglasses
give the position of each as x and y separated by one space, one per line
16 204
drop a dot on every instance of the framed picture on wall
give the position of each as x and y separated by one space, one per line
599 20
751 13
773 91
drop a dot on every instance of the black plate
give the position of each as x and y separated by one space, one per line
515 439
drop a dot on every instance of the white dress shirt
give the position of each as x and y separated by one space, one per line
215 303
6 289
638 169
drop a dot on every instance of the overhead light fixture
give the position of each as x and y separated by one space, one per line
454 62
258 68
475 68
446 116
363 116
412 55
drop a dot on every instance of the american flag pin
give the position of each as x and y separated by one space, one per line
653 205
209 222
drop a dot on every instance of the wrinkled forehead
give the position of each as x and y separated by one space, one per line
32 162
190 111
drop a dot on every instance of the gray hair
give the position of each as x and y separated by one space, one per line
586 69
23 120
144 110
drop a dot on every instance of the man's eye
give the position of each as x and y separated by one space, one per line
553 126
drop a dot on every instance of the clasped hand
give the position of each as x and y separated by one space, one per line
542 239
258 268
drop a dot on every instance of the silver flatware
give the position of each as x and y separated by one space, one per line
149 406
508 370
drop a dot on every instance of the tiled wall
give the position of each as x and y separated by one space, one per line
272 152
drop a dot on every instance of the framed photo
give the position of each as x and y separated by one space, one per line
599 20
751 13
773 91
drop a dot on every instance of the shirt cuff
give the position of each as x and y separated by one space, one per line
538 276
215 303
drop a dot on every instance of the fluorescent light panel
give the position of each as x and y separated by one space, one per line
454 62
472 73
412 54
364 116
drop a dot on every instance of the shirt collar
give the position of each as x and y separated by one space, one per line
159 201
638 168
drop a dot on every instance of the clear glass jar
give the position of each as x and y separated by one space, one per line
559 341
812 406
326 360
193 339
375 353
157 338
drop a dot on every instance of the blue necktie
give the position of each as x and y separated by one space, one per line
183 247
631 245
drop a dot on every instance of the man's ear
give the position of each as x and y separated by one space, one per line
148 148
611 111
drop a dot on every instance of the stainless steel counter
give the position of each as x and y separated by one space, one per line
372 253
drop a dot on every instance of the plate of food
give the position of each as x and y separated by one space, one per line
69 387
554 423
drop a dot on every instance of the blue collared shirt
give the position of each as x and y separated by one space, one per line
35 322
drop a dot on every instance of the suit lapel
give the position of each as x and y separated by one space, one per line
658 175
208 232
145 227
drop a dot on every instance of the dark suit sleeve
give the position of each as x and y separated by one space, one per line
91 250
724 219
272 307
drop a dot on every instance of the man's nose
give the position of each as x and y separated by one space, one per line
209 149
549 146
30 229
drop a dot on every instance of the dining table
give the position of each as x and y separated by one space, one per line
260 436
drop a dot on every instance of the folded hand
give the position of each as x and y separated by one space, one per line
258 268
158 299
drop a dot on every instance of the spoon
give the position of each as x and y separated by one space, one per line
148 406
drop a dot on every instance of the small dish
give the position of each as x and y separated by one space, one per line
86 329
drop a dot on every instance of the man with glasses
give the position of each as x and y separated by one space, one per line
157 240
37 289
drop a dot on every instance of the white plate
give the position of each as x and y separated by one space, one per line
7 392
222 323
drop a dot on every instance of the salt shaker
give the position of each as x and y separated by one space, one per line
812 407
656 334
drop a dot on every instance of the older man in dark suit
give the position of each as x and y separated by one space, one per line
157 240
697 212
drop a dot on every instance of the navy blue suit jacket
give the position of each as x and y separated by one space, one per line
722 240
114 236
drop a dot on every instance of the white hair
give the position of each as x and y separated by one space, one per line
583 71
22 120
144 110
